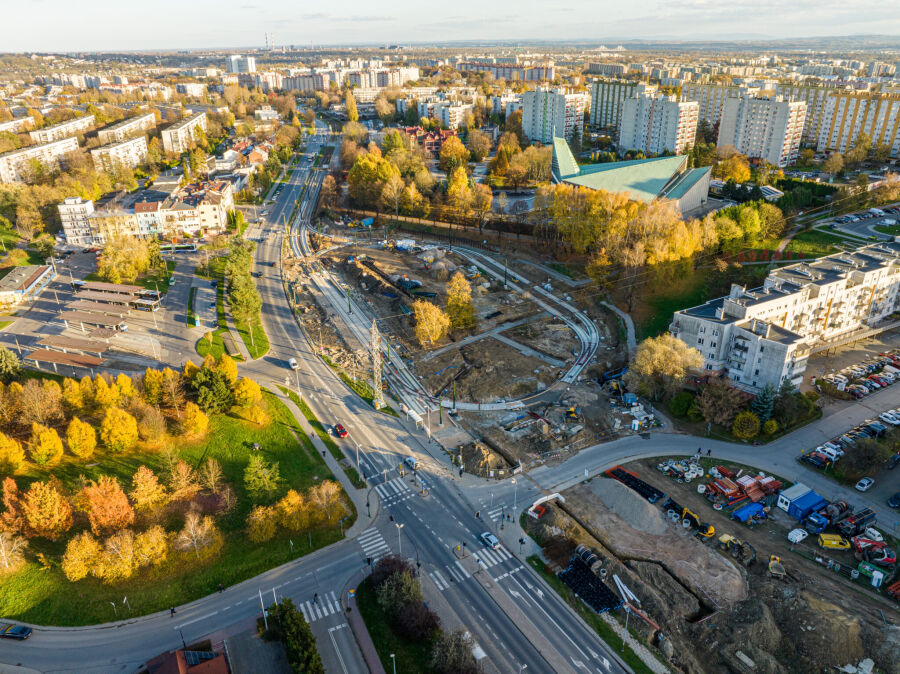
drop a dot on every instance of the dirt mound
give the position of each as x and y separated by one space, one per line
674 596
630 506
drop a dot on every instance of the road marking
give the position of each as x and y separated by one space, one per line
331 631
195 620
462 569
439 580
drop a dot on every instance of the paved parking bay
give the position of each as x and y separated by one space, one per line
204 304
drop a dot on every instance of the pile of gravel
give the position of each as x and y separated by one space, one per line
630 506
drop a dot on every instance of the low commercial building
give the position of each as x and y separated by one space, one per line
182 135
765 335
15 165
642 179
127 128
73 127
131 152
24 284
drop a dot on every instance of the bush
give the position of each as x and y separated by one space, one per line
746 425
417 621
770 427
680 404
289 625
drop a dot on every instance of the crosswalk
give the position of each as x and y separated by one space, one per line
394 491
457 573
326 605
373 544
489 557
495 514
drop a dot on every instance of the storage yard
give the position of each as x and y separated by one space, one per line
717 584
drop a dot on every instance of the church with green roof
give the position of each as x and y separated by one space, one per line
643 179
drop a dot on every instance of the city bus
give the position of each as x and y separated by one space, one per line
145 304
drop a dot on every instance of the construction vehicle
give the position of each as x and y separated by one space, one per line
689 519
829 516
631 480
572 414
610 375
874 552
855 524
776 568
741 551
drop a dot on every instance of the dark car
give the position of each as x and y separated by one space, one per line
894 501
340 431
13 631
894 461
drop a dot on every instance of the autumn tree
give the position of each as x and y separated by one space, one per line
151 547
46 446
453 155
73 396
47 512
459 194
211 475
198 534
124 258
228 368
459 302
80 558
660 366
719 402
431 322
262 523
247 392
12 455
153 386
106 505
194 422
183 485
9 365
11 517
116 560
12 551
834 164
262 479
479 145
106 395
38 402
746 425
293 511
350 103
147 494
125 387
328 498
118 430
81 438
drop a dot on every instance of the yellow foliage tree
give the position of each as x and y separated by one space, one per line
431 322
12 551
12 455
116 561
46 446
81 438
189 370
151 547
105 394
228 368
153 387
459 302
194 423
247 392
125 386
73 396
118 430
147 493
198 535
661 365
261 524
80 558
293 511
47 512
327 497
86 384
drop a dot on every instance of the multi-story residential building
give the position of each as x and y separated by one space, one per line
767 128
15 165
129 152
553 113
451 115
237 64
127 128
73 214
712 97
180 136
607 69
655 124
607 97
16 125
62 130
505 104
504 71
765 335
846 115
879 69
191 89
814 97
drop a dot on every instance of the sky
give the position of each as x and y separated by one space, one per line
110 25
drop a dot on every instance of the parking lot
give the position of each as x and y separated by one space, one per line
862 223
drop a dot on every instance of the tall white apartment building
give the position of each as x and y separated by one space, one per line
655 124
16 125
766 128
500 105
73 214
553 113
453 115
607 69
191 89
236 63
712 97
15 164
765 335
133 126
130 152
62 130
815 98
607 97
847 114
180 136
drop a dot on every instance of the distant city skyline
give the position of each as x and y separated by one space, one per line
106 25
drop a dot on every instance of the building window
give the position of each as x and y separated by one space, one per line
756 373
700 341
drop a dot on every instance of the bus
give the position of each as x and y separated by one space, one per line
177 247
145 305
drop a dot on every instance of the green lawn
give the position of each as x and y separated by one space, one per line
259 345
5 323
658 306
191 317
46 597
816 243
893 230
154 280
411 656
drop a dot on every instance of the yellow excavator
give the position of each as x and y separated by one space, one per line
740 550
689 519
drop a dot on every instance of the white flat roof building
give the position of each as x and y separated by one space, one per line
15 164
73 214
607 97
180 136
62 130
767 128
130 152
16 125
127 128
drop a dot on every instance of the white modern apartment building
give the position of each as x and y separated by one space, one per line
553 113
655 124
180 136
236 63
195 89
607 69
765 335
129 152
767 128
452 115
712 97
127 128
73 214
505 104
607 97
507 71
16 125
846 115
15 165
62 130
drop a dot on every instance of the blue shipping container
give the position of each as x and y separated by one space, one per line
808 503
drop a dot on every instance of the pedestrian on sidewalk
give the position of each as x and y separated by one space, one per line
221 588
172 612
708 452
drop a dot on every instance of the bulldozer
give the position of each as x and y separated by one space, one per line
741 551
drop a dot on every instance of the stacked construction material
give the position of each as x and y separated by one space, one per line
588 587
769 484
749 485
727 489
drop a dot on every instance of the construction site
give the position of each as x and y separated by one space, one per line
714 582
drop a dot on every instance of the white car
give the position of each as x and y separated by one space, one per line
864 484
889 418
490 540
798 535
293 364
873 535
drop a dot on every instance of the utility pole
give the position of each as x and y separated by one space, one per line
378 396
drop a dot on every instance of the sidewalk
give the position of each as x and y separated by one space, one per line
236 336
358 626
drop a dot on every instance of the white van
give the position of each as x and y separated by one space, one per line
832 452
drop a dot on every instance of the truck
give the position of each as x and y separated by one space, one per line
828 516
855 524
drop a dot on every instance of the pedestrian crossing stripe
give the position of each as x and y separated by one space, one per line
439 580
462 570
395 491
508 573
373 544
496 513
326 606
490 557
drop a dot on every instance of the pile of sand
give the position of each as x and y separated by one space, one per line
631 506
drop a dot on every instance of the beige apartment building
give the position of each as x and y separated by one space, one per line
15 165
127 128
180 136
766 128
131 152
73 127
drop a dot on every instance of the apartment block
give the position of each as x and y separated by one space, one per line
765 335
655 124
195 89
553 113
73 214
846 115
127 128
180 136
15 165
767 128
238 64
607 69
56 132
453 116
505 104
607 97
130 152
815 98
712 97
506 71
16 125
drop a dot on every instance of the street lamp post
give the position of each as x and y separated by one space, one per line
394 661
399 540
515 492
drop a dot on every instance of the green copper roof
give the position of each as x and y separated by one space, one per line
564 164
687 180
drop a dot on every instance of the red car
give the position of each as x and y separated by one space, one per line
340 431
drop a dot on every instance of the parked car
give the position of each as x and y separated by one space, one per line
894 461
889 418
798 535
865 484
293 364
894 501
